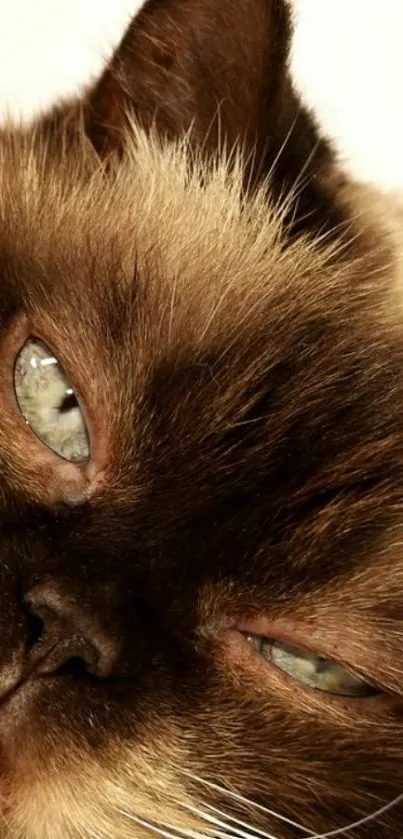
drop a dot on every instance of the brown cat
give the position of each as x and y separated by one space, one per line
201 450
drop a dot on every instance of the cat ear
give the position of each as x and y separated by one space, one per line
219 69
215 66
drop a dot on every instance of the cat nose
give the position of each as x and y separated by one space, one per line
67 638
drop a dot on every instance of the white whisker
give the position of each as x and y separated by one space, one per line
169 831
365 820
309 834
252 804
214 820
236 820
160 831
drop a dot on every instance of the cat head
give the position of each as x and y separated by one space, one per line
201 454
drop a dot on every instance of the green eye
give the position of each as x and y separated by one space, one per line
310 669
48 403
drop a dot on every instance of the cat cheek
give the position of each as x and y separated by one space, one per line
37 474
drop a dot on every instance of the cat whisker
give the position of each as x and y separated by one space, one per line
169 831
242 834
160 831
252 804
365 820
255 830
309 833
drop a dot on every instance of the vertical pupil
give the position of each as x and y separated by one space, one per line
68 403
322 664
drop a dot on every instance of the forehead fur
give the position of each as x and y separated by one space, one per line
179 231
165 252
154 274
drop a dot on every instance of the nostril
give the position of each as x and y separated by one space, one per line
74 667
66 639
73 655
35 629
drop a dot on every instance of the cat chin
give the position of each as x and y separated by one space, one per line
125 791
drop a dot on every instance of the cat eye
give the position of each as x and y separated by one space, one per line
310 669
48 402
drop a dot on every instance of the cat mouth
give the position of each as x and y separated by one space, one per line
30 669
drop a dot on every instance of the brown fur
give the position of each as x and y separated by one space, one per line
242 379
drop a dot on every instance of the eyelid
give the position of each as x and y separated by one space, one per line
295 633
313 637
243 661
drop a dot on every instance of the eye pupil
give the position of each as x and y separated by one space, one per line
322 664
69 402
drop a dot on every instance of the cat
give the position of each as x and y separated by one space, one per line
201 454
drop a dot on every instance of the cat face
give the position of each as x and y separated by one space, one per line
201 459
